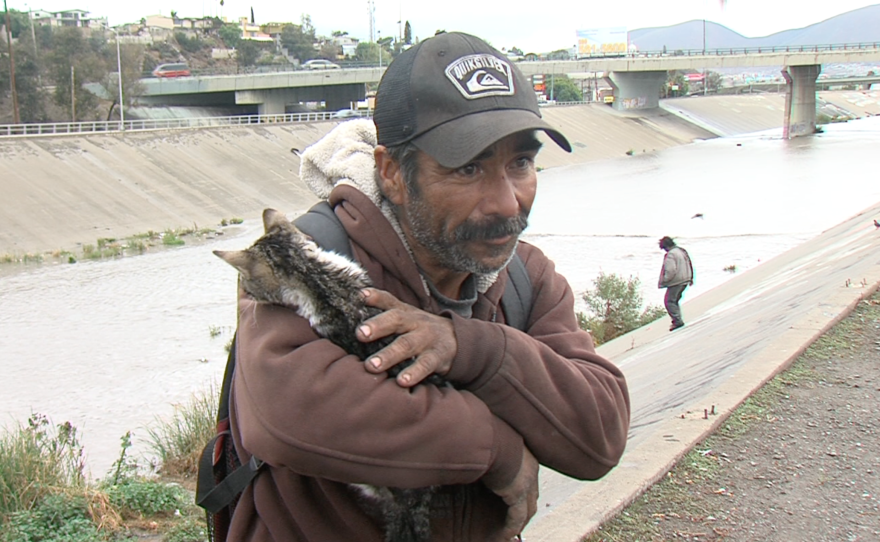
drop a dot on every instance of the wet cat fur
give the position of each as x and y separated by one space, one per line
286 267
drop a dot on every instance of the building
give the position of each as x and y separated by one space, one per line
73 17
252 31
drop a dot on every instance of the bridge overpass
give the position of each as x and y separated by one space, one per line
271 92
635 78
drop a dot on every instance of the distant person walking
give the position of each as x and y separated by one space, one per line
676 274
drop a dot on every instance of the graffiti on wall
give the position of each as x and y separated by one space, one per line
634 103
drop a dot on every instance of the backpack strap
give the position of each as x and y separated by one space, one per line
516 301
324 227
212 495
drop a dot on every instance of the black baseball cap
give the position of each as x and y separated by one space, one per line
454 95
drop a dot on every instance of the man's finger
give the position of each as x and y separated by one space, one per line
423 367
381 299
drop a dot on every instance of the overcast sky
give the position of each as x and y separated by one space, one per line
534 26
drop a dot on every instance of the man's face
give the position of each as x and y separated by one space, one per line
470 218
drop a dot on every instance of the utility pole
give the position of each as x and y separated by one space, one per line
72 94
371 11
15 118
121 99
705 70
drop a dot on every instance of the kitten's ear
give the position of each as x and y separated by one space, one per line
238 259
271 217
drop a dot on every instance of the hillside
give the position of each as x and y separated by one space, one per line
857 26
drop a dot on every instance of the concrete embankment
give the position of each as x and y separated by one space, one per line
61 191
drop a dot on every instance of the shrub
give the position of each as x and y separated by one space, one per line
140 497
615 308
55 518
179 441
35 460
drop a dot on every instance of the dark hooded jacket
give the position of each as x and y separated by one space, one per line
321 421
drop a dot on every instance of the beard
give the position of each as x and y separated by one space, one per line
451 248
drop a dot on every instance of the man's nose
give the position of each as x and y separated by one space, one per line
500 197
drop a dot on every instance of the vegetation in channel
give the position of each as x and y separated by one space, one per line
614 307
110 247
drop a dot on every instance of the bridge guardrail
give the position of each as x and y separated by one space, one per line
761 50
354 64
137 125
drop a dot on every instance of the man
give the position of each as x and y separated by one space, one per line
433 199
676 274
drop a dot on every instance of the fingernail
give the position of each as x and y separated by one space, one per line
376 362
365 330
404 378
365 293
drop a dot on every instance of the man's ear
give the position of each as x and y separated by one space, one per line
389 176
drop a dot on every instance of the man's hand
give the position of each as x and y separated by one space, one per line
521 497
428 338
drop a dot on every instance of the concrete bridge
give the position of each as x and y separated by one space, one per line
636 80
270 92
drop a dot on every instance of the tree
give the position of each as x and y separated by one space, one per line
615 308
565 90
369 52
190 45
329 50
676 84
407 33
31 96
247 53
131 58
299 40
73 61
713 80
230 35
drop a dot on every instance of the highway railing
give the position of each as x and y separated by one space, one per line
741 50
77 128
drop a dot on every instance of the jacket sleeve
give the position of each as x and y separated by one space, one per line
670 268
301 402
570 405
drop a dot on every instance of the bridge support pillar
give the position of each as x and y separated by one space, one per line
268 101
800 100
636 90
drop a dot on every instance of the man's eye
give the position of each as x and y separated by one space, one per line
524 161
469 170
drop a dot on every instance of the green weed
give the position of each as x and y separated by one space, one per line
36 458
60 517
179 441
172 238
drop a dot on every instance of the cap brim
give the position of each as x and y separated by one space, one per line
455 143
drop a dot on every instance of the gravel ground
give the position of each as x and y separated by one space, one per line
799 461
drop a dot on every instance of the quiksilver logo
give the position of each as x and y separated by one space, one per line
476 76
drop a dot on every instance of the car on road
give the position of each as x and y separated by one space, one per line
320 64
177 69
346 114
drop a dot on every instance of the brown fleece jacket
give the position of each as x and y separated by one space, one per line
321 421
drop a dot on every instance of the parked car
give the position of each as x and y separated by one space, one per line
320 64
346 114
178 69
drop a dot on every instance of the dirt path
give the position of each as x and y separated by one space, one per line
800 460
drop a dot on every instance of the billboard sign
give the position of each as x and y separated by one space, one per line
602 41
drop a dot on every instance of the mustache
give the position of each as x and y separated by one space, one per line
492 228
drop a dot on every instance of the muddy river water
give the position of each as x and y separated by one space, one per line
112 345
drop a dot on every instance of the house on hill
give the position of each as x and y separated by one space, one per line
72 17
